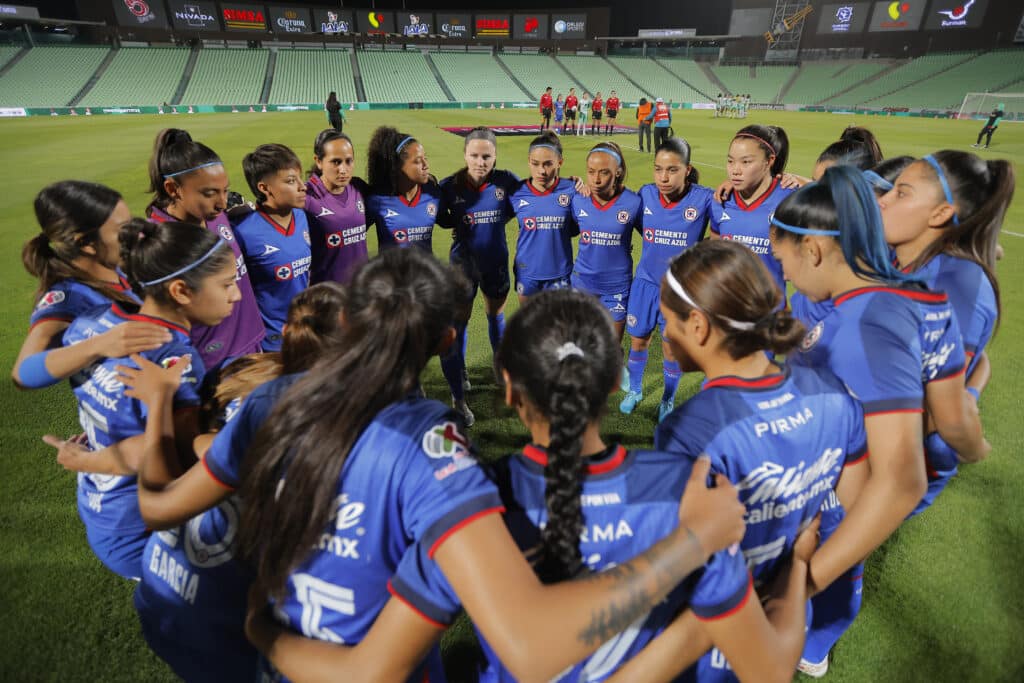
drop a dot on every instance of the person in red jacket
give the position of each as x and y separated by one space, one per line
661 119
611 108
595 108
572 104
546 105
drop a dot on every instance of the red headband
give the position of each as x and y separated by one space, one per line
759 139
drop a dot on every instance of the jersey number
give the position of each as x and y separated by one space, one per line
315 595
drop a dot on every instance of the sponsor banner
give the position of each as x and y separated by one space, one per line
243 17
944 14
530 26
333 21
492 26
9 112
453 25
901 15
666 33
703 105
568 26
534 130
194 16
844 17
143 13
290 20
415 24
18 12
372 22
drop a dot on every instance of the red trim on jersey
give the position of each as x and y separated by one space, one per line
416 198
607 206
759 201
539 193
213 476
287 232
926 297
864 456
666 204
432 622
759 383
158 215
142 318
539 456
961 371
456 527
54 319
738 607
893 412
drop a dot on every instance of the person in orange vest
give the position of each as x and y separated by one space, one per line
643 112
662 118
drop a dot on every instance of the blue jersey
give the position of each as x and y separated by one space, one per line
809 312
107 416
405 222
478 217
749 224
68 299
546 229
278 260
604 262
669 228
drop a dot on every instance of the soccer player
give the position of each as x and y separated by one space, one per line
546 226
76 258
559 112
335 210
897 348
477 207
612 111
990 126
661 120
584 113
195 622
719 106
571 104
335 117
545 109
394 478
275 238
943 218
404 199
757 156
595 110
185 275
675 215
606 221
643 114
189 184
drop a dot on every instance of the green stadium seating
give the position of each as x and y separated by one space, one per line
690 71
763 87
537 72
307 76
945 91
398 77
50 76
224 76
8 51
655 80
899 78
820 80
476 77
599 75
138 76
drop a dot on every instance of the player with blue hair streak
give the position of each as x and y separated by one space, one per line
676 211
897 347
185 275
943 217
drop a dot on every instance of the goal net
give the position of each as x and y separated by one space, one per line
978 105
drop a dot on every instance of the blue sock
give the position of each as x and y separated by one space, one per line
635 365
672 375
496 329
453 362
462 339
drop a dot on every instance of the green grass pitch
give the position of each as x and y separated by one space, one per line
943 599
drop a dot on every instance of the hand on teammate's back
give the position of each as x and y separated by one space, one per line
133 337
713 515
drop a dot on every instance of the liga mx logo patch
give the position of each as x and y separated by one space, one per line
445 441
812 337
622 217
171 361
690 214
51 298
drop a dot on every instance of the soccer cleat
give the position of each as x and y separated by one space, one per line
813 669
466 384
624 380
975 145
463 409
664 408
985 147
629 403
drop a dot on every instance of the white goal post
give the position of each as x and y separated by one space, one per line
980 104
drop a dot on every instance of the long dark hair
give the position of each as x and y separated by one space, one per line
70 214
332 98
387 151
174 151
730 285
982 191
562 355
324 137
397 312
681 148
857 146
772 140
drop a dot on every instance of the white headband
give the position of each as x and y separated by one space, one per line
673 283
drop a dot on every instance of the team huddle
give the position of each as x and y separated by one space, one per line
259 455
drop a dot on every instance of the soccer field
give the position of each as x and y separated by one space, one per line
943 598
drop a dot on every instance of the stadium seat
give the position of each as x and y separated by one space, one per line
537 72
762 83
398 77
599 75
818 81
690 71
476 77
655 80
899 78
945 91
8 51
137 77
306 76
223 76
50 76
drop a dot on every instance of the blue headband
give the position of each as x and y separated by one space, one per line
945 185
187 268
877 180
608 151
545 144
803 231
403 143
194 168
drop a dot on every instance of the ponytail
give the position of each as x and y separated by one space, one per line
175 155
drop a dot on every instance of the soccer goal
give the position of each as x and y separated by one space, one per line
978 105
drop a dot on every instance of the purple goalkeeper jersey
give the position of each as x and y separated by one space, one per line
337 231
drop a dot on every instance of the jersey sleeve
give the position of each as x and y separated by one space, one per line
857 448
973 301
61 303
443 487
188 391
223 460
724 586
421 585
891 382
947 358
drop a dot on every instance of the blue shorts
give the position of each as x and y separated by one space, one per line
120 553
616 301
491 278
644 313
526 286
942 464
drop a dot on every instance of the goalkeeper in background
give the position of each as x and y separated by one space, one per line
990 126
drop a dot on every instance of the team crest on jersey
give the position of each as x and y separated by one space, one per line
305 236
812 336
530 223
631 320
431 209
445 441
391 213
622 217
283 273
563 200
171 361
226 233
467 219
585 237
334 240
51 298
690 214
401 236
499 193
360 207
648 234
522 203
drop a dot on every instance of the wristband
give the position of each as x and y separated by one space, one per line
32 373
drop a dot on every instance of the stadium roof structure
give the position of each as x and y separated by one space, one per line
682 40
